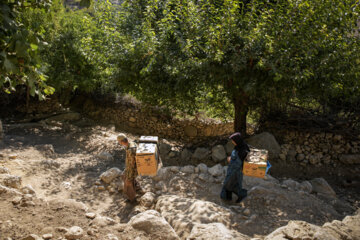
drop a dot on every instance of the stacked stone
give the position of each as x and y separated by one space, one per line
152 123
319 148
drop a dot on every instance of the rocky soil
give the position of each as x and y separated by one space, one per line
61 180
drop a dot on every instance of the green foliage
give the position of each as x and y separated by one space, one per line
19 49
224 57
185 54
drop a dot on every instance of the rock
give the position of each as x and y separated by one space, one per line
65 117
132 119
102 221
229 147
13 156
172 154
300 157
32 237
4 170
188 169
152 223
70 203
175 169
9 191
348 228
47 236
105 156
216 170
185 155
163 173
160 186
50 163
206 177
202 168
183 213
350 158
246 212
10 180
291 184
164 148
28 189
148 199
218 153
46 149
299 230
90 215
191 131
291 155
214 231
16 200
111 237
200 154
74 233
110 175
313 159
319 185
266 141
282 156
306 186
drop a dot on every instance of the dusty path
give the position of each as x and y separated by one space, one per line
63 163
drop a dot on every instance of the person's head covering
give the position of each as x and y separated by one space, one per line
121 137
241 145
236 137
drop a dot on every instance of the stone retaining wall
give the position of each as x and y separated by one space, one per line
318 148
150 122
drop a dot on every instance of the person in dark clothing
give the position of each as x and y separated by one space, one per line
234 175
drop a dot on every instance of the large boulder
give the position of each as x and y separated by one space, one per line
184 213
185 154
218 153
229 147
188 169
200 154
348 228
163 173
202 168
291 184
164 149
153 224
110 175
216 170
266 141
299 230
215 231
319 185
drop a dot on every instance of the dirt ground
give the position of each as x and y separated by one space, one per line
71 172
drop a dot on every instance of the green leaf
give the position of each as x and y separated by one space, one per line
21 49
9 66
85 3
34 46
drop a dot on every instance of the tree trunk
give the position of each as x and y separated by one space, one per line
27 98
241 110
